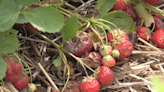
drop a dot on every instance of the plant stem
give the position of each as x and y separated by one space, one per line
80 17
97 34
26 65
44 37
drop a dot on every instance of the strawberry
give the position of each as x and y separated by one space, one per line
30 26
130 11
105 76
108 61
119 5
105 50
152 1
115 53
93 55
72 87
89 84
158 24
14 70
125 48
144 33
21 83
118 36
18 26
32 87
80 44
159 16
158 38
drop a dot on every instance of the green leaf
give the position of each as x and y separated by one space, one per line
144 15
9 12
57 62
103 6
9 42
8 15
3 68
23 3
70 28
21 19
158 84
121 20
46 19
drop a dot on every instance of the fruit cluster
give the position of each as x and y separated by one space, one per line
15 75
118 47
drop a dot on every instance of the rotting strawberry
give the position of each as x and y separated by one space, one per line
144 33
130 11
158 24
105 50
72 87
105 75
22 82
18 26
14 70
119 5
152 1
93 55
108 61
158 38
80 44
125 48
31 26
89 84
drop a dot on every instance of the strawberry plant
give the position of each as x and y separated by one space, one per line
110 27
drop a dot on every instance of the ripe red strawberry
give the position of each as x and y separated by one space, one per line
72 87
30 26
152 1
105 50
144 33
119 5
158 38
14 70
125 48
21 83
159 16
105 76
158 24
90 84
108 61
93 55
130 11
118 36
80 44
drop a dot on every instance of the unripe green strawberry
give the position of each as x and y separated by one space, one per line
105 50
108 61
32 87
115 53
